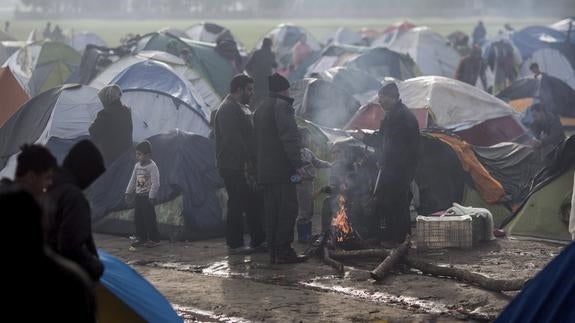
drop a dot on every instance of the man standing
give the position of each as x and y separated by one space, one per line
472 67
236 158
479 33
543 89
278 160
397 145
260 66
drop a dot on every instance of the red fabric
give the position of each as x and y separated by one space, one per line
12 94
493 131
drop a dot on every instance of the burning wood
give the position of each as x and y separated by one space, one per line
340 222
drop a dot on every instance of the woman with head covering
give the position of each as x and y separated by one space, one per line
112 129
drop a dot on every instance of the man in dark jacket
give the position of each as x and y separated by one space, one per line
112 129
235 155
69 220
260 66
479 33
278 160
397 145
472 67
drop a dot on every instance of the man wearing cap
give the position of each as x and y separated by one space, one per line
278 160
112 129
396 144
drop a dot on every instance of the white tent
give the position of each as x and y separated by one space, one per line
552 62
429 50
199 86
66 113
563 25
81 39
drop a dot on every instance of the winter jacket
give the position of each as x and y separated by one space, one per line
111 132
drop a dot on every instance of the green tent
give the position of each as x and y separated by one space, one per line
471 197
545 214
202 58
55 63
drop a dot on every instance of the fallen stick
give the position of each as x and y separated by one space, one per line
434 270
395 257
338 266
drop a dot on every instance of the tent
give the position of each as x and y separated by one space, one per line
531 39
125 296
351 80
429 50
284 37
43 65
554 93
563 25
81 39
13 95
200 86
189 208
344 36
202 57
544 213
155 76
322 102
553 62
61 116
382 62
332 56
207 32
391 33
369 116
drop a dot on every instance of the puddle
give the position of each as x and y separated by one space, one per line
223 269
189 314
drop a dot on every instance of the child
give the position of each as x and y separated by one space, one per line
305 189
145 182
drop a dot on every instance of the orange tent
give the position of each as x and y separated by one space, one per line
12 94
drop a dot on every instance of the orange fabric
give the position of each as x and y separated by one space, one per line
12 94
490 190
521 105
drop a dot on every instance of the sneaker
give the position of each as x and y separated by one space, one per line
240 251
139 243
152 244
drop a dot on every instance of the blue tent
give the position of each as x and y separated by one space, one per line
530 39
156 76
187 165
549 296
127 297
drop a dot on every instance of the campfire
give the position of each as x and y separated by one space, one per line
340 223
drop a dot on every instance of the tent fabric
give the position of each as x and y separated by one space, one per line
555 91
344 36
531 39
135 291
206 32
563 25
489 188
13 95
81 39
332 56
323 103
151 75
494 131
370 115
548 297
382 62
431 52
187 167
553 63
351 80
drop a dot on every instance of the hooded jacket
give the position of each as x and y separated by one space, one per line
69 220
111 132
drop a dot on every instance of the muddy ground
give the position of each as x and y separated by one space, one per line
205 284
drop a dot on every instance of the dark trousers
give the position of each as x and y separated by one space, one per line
242 199
281 209
392 207
145 219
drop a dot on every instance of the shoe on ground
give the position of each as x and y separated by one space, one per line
289 257
139 243
152 244
240 251
261 248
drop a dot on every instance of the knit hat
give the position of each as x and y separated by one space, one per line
110 94
145 147
389 90
277 83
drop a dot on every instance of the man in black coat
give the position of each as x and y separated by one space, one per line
112 129
260 66
278 148
69 220
397 145
235 155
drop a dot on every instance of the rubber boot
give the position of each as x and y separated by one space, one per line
303 232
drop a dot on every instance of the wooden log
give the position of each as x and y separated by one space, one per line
395 257
467 276
364 253
338 266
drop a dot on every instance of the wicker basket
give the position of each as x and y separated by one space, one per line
444 232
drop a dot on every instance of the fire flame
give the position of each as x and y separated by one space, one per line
340 221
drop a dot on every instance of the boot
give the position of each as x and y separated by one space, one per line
288 256
304 232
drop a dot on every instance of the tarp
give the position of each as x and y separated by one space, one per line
431 52
187 166
547 298
156 76
12 94
135 291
